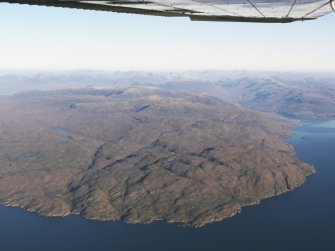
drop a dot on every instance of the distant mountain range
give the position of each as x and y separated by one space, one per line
295 95
306 98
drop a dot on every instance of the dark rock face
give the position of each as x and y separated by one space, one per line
141 154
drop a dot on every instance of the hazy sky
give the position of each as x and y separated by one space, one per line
55 38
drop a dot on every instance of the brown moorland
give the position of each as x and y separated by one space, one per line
140 154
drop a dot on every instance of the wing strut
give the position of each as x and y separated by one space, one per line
289 12
317 9
253 5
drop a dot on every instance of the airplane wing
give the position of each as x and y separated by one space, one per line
265 11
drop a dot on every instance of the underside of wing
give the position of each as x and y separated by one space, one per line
267 11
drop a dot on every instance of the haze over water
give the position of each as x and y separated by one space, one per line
303 219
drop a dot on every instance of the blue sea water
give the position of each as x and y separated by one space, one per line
303 219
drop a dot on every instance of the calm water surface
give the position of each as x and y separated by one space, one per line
300 220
